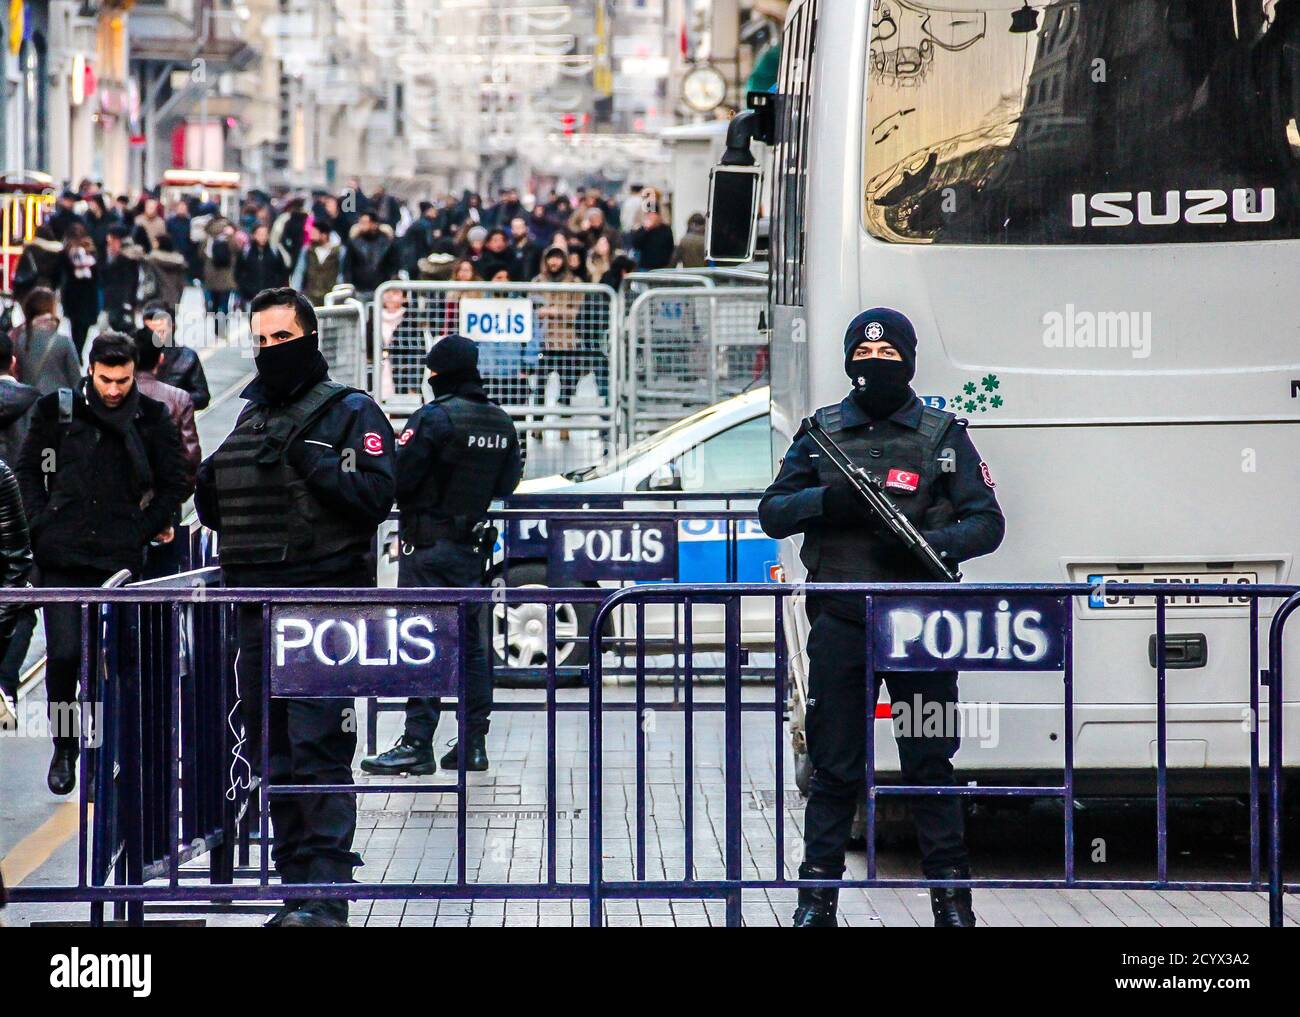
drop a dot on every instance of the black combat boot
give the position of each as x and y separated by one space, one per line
317 914
290 873
817 905
409 755
323 913
62 777
476 760
952 908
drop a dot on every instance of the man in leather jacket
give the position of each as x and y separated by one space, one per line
178 366
167 559
15 572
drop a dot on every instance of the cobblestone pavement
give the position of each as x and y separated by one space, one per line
411 837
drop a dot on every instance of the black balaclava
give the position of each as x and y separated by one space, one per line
455 359
881 387
287 368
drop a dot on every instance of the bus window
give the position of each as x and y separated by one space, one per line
1095 122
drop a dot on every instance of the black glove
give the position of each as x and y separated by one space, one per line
842 506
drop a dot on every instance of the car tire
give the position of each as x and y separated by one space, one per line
570 619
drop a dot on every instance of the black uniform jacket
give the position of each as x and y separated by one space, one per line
793 503
353 432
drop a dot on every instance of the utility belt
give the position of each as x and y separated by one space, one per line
479 538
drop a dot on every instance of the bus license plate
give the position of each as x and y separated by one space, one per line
1108 590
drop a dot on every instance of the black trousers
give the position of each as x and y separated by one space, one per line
312 741
836 726
63 652
448 564
11 663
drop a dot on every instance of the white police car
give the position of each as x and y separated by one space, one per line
724 449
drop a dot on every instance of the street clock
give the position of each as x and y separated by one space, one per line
704 88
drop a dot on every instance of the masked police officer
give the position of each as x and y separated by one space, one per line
934 475
454 457
296 492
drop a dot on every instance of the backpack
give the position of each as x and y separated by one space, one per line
220 252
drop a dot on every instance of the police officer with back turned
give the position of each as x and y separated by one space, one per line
296 492
930 470
454 457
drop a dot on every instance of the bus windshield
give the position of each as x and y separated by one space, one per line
1083 121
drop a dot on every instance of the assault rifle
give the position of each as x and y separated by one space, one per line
871 491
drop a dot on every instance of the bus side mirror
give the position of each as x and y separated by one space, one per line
733 213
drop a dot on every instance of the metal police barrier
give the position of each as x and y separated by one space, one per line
342 328
603 542
922 627
156 686
636 284
352 642
163 761
548 353
688 348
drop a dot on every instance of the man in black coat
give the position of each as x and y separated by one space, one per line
101 476
262 266
120 278
653 242
64 215
371 256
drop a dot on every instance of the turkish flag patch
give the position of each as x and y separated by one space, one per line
988 477
405 436
901 480
373 444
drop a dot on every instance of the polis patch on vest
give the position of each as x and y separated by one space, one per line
322 650
994 633
596 550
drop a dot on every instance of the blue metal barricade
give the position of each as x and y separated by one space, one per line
609 540
160 765
879 601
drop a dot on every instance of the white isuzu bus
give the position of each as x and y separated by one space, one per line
1090 209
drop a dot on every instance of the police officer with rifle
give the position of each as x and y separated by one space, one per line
454 457
883 488
296 492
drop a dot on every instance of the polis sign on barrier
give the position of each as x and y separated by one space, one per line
322 650
993 633
486 320
612 550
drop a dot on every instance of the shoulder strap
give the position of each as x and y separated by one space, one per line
830 419
934 425
65 406
312 406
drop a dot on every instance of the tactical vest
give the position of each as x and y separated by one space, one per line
454 496
268 514
863 554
